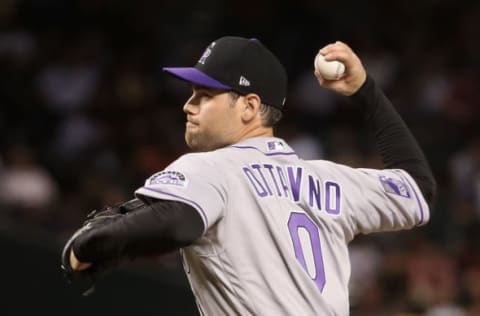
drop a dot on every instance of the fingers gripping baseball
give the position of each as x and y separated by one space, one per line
354 75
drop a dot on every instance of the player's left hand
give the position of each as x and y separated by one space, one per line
355 74
76 264
83 274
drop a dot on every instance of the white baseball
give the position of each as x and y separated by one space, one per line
330 70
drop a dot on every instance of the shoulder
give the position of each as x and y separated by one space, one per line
209 157
206 161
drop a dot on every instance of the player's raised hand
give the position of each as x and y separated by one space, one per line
355 74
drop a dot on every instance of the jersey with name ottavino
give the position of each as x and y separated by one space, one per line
277 227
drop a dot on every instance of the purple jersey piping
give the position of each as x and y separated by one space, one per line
418 201
198 207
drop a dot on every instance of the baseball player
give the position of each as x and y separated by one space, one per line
262 231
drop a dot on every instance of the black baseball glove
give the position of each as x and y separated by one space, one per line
85 280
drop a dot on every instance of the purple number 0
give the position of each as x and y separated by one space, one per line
301 220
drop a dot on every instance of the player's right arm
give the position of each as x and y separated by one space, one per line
179 204
396 144
154 228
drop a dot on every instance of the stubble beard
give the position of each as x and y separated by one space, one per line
194 142
198 142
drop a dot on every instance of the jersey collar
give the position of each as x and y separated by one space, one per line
268 145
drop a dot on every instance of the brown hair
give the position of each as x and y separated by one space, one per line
270 115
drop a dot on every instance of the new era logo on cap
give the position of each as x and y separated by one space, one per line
243 81
241 65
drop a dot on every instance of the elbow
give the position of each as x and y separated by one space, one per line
428 186
432 192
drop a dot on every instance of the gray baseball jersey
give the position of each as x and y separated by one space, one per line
277 227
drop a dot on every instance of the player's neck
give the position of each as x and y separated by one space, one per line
257 131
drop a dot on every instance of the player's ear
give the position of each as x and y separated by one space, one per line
251 106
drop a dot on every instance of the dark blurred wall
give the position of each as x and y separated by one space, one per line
31 284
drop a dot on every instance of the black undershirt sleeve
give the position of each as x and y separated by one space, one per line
152 229
396 144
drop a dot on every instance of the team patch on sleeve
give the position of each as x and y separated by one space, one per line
395 186
168 177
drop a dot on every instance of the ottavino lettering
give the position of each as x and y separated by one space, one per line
293 183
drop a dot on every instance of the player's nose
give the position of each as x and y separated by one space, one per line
189 108
186 108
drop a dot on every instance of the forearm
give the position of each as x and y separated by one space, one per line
152 229
396 144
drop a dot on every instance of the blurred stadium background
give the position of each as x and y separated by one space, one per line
86 115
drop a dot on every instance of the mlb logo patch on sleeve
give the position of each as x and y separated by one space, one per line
168 177
275 145
395 186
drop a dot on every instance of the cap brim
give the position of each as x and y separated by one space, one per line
195 76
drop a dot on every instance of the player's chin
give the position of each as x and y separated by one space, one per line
197 143
192 141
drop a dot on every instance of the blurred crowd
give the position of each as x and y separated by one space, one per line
86 115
